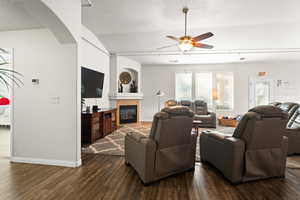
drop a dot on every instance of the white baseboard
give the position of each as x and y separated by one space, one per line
62 163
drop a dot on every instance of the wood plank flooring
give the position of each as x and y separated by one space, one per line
106 177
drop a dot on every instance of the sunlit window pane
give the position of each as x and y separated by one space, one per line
203 87
224 85
183 86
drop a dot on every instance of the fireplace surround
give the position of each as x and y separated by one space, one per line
133 104
128 114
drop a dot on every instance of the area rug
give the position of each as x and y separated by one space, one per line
113 144
293 162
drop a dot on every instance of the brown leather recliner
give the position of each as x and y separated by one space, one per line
256 150
293 126
293 133
170 148
207 118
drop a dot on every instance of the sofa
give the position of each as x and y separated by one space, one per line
256 150
169 149
292 130
199 107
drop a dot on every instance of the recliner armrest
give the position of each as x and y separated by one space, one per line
225 152
216 134
140 154
136 136
211 113
293 130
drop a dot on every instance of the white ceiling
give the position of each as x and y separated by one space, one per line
131 16
131 26
15 18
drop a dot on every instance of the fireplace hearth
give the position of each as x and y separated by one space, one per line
128 114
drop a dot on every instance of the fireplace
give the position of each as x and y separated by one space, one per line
128 114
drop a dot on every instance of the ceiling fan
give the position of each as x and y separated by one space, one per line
186 43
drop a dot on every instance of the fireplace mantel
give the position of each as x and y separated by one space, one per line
120 96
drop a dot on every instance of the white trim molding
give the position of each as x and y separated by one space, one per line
118 96
61 163
205 52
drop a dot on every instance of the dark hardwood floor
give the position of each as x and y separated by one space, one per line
107 177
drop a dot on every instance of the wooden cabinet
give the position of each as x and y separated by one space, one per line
97 125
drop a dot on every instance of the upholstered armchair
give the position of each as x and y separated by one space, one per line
170 103
256 150
207 118
170 148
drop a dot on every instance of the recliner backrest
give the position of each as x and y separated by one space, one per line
288 107
200 107
172 126
262 127
275 103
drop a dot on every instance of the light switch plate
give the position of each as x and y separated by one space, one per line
35 81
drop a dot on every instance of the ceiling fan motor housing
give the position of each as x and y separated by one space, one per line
185 10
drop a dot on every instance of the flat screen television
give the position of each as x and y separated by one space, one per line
91 83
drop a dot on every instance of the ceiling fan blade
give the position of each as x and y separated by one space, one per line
172 38
204 46
203 36
168 46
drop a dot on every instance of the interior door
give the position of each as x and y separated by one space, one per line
260 91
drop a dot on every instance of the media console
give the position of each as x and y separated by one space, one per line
96 125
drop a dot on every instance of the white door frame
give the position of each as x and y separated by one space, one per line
11 106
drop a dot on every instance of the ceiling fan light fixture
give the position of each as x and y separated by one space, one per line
186 45
186 42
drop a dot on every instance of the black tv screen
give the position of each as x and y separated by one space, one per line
91 83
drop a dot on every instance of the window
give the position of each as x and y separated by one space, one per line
183 85
203 87
224 89
215 88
